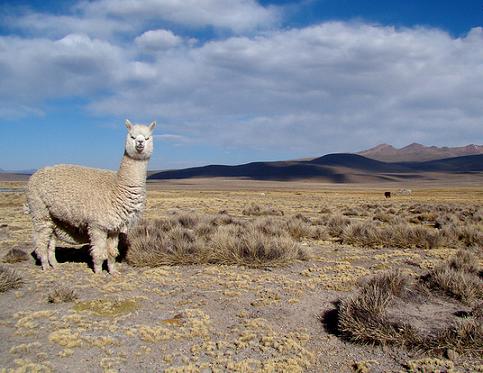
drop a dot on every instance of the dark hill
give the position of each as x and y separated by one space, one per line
338 168
359 162
468 163
257 171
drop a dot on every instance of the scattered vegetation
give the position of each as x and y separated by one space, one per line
62 295
458 278
368 316
256 210
9 279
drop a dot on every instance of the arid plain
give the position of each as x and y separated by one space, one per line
263 309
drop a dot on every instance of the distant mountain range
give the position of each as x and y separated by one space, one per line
338 168
381 163
418 153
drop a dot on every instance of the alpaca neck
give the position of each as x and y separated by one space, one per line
132 173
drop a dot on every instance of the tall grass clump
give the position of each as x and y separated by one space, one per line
216 240
370 234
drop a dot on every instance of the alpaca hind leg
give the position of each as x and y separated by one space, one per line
112 251
98 239
51 252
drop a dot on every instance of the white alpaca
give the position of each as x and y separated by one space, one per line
79 204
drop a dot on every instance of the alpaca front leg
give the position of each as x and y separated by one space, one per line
112 251
98 239
42 238
51 252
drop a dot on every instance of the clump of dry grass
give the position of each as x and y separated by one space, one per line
15 255
362 318
458 278
249 246
256 210
462 336
62 295
336 225
222 240
366 318
467 235
9 279
399 235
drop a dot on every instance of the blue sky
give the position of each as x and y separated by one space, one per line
235 81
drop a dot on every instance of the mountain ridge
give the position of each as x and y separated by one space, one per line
416 152
336 167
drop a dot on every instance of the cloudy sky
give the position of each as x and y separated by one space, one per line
233 81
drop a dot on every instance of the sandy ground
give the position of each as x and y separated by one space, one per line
207 318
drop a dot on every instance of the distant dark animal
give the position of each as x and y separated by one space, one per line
387 194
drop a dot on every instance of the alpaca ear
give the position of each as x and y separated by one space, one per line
152 125
128 125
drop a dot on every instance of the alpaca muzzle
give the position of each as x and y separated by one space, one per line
139 147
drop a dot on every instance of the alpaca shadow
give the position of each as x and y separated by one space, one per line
70 255
330 320
83 254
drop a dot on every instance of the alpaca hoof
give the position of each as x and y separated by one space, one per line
98 269
112 268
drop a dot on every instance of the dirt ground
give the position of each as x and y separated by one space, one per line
211 318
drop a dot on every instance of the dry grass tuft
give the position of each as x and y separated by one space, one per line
62 295
219 239
9 279
362 318
256 210
366 317
15 255
403 235
458 278
463 336
336 225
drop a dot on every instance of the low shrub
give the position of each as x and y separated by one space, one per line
9 279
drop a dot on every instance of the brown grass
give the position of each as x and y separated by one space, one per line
9 279
62 295
220 240
458 278
363 318
256 210
403 235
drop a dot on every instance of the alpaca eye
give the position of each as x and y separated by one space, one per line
147 138
132 137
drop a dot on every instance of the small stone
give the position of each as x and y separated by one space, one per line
451 354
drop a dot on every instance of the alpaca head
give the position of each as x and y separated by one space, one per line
139 140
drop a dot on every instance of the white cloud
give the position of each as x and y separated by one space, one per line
34 70
106 18
330 87
235 15
158 39
335 83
